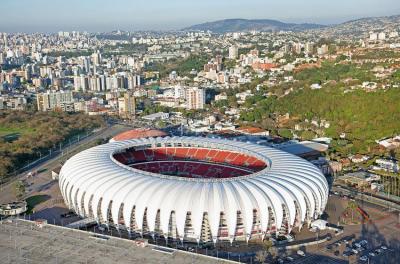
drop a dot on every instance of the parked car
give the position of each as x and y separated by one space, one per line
67 215
289 259
364 258
301 253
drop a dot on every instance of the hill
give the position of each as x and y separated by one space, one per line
235 25
360 28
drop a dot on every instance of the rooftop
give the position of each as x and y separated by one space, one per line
139 133
54 244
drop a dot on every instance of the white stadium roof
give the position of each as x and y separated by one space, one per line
288 192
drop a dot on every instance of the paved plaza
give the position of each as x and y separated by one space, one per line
24 242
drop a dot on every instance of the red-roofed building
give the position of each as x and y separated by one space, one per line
255 131
264 66
138 133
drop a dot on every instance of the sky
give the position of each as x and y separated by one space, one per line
107 15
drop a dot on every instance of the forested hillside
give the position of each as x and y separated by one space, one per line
24 135
363 116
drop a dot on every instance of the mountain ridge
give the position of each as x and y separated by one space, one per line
241 24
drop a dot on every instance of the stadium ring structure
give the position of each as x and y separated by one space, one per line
194 189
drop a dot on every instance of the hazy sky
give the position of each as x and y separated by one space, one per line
106 15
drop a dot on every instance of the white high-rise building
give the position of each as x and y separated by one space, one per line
5 41
131 81
52 100
81 83
323 50
95 84
195 98
393 34
236 35
297 47
131 62
309 48
233 52
86 64
179 92
373 36
96 58
127 106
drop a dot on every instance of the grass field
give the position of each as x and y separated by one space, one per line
12 133
35 200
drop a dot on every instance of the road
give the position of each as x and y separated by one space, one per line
45 167
365 197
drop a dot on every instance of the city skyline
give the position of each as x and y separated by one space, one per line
216 132
101 15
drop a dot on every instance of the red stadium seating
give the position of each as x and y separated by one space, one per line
191 169
181 153
191 162
221 156
191 152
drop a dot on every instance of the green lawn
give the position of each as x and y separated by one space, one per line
35 200
13 133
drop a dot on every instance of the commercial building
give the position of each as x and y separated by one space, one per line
62 100
156 116
13 209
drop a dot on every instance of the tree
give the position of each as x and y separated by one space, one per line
307 135
352 206
28 133
261 256
19 189
268 247
285 133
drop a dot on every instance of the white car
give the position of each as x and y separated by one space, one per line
364 258
384 247
290 259
301 253
372 254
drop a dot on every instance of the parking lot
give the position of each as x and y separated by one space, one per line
360 249
372 241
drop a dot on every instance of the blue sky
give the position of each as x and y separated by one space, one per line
106 15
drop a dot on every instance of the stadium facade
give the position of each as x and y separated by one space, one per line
195 189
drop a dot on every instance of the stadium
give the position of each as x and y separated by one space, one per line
194 189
